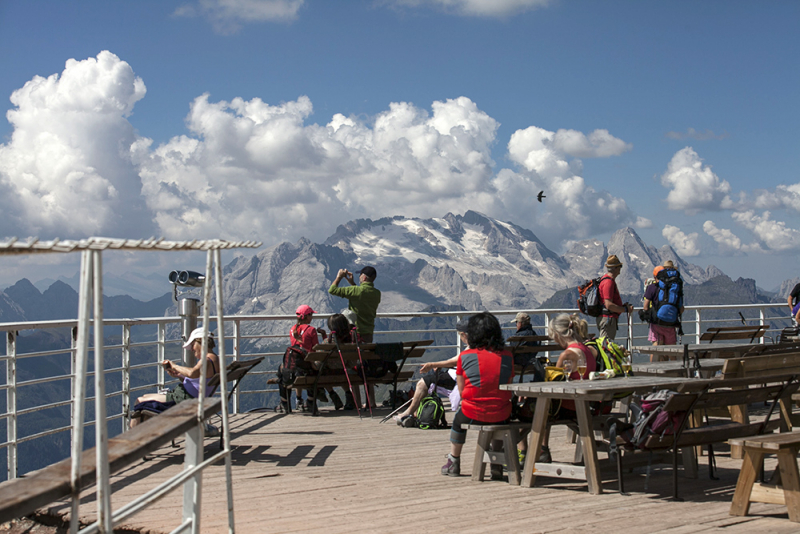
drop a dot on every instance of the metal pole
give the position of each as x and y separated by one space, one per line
162 337
223 387
187 309
11 403
126 376
237 339
79 391
698 326
100 424
458 337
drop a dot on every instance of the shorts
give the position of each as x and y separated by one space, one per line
459 435
607 326
178 394
444 379
664 334
796 309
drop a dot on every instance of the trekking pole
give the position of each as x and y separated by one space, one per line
397 410
354 335
344 366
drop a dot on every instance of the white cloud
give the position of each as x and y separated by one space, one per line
684 244
227 16
775 235
783 197
694 187
691 133
66 170
726 239
477 8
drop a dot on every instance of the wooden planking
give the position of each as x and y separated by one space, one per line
22 496
380 478
727 333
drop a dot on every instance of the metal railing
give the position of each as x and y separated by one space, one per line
134 354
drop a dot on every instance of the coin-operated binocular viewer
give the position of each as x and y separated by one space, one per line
188 304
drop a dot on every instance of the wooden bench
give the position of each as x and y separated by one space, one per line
509 435
705 395
786 491
730 333
517 346
22 496
330 376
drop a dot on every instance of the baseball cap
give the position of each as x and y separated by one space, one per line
369 271
304 310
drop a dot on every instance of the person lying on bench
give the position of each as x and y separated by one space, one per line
188 387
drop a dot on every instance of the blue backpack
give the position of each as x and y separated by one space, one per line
669 298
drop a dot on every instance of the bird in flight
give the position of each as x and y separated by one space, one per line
540 196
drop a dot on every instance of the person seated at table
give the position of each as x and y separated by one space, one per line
570 332
528 362
480 372
441 382
306 336
188 387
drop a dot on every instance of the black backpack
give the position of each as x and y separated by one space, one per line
589 298
293 365
668 298
431 413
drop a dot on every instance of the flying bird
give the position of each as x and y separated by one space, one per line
540 196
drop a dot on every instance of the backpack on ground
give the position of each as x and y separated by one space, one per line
293 365
589 298
431 413
648 418
668 299
609 356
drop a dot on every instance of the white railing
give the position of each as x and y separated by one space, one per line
144 344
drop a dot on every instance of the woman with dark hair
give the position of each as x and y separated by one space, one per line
480 371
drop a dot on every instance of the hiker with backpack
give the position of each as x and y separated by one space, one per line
189 385
611 299
305 336
480 372
663 305
435 380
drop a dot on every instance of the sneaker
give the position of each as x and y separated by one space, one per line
337 401
410 422
545 457
452 467
521 455
497 472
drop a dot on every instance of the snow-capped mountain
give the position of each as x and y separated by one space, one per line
471 261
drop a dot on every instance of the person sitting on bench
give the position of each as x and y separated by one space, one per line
190 376
433 380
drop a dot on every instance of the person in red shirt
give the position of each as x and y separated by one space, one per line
612 302
306 336
480 371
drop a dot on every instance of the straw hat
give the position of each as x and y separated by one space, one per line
613 261
669 265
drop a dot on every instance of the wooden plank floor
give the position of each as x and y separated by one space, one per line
335 473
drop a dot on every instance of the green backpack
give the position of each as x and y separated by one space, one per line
609 356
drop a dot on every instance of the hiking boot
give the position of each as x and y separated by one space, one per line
410 422
497 472
337 401
545 457
521 455
452 467
309 406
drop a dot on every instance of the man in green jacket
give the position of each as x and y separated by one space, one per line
363 298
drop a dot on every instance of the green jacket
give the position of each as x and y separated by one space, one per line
364 300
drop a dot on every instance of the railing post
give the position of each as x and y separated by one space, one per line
698 325
236 355
458 337
761 322
11 403
126 376
162 351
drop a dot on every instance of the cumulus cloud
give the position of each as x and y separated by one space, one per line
726 239
227 16
476 8
66 170
684 244
694 187
774 235
691 133
782 197
573 208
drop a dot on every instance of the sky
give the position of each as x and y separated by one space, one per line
279 119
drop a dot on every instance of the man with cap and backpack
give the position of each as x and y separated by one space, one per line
663 304
610 297
363 299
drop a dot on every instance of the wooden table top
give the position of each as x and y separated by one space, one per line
676 368
718 350
594 389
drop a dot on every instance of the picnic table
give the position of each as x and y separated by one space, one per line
582 392
708 368
689 351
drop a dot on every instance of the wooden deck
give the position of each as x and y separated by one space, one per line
335 473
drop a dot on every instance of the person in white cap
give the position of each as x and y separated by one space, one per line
188 387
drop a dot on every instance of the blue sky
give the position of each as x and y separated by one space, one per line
278 119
